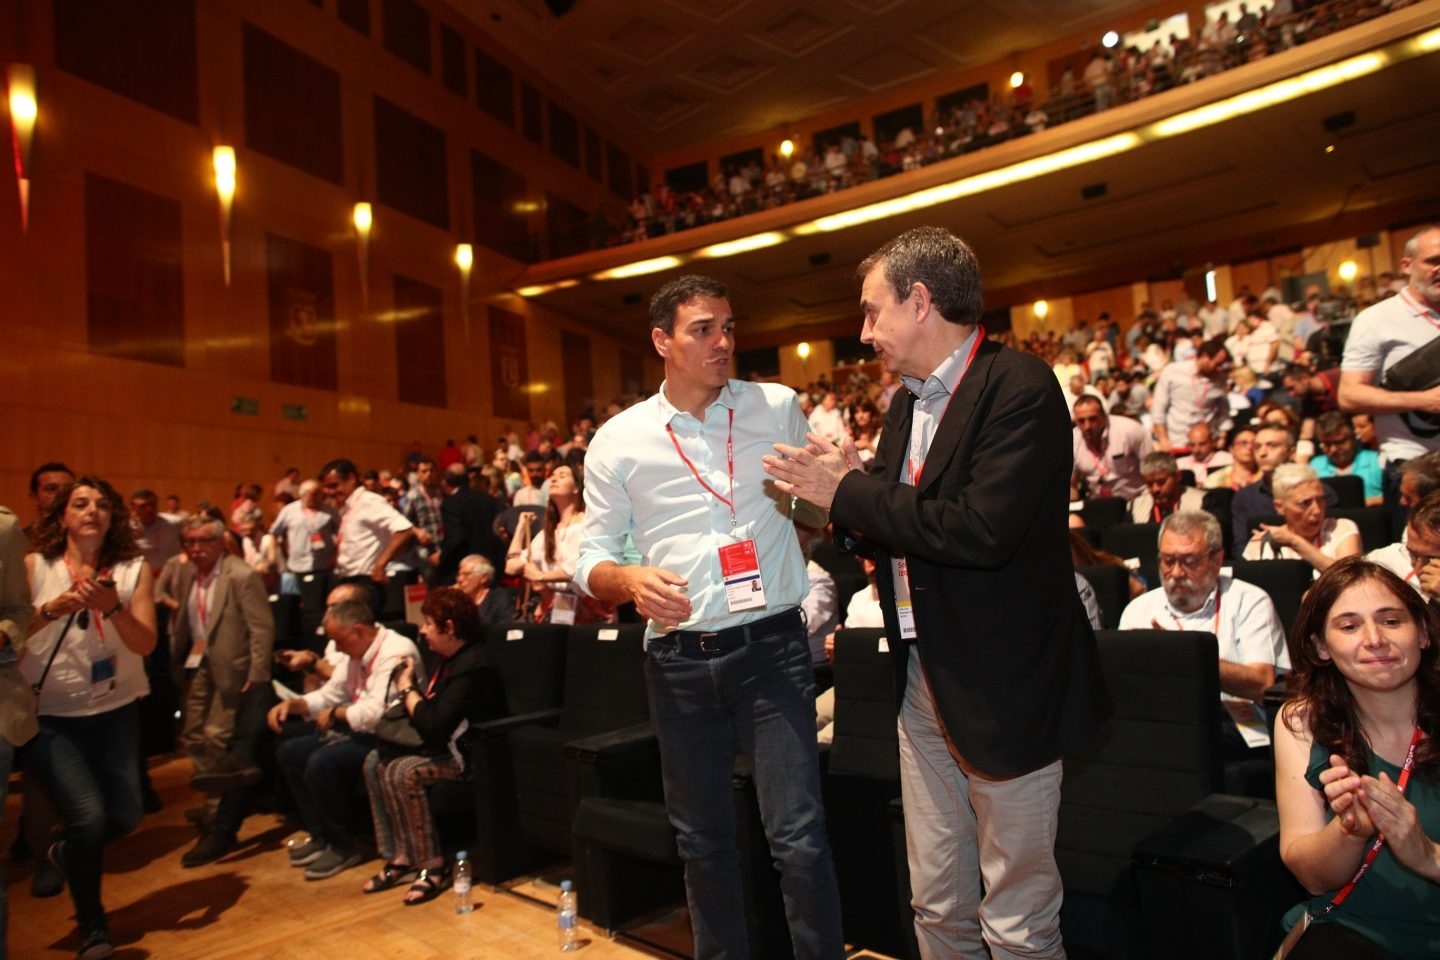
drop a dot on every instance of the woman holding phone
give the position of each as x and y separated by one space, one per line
94 624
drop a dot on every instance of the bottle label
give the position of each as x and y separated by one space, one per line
462 886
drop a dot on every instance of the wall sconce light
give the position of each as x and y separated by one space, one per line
464 259
1348 271
802 350
1111 40
20 80
787 148
224 160
1016 79
1042 310
364 219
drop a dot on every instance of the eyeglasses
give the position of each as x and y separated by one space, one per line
1418 560
1189 562
1242 443
188 542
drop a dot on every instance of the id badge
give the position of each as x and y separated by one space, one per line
740 569
562 608
102 678
904 609
197 653
317 540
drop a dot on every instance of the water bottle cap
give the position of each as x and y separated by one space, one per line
462 855
564 886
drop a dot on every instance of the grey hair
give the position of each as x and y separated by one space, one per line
348 613
1158 462
1288 476
480 567
1412 246
1189 522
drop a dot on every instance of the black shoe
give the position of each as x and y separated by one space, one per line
200 816
95 945
211 847
228 773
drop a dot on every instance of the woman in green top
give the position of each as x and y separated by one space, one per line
1366 707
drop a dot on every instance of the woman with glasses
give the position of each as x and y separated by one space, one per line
1243 469
94 624
1357 766
1307 534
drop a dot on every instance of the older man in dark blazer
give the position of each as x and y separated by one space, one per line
222 637
965 509
468 518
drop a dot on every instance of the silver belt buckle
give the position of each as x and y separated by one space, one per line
707 643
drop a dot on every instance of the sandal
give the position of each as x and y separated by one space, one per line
429 885
390 875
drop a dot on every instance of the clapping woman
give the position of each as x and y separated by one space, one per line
94 624
1357 767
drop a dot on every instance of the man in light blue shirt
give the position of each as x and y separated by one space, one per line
720 582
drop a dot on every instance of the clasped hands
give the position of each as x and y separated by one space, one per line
813 472
1365 805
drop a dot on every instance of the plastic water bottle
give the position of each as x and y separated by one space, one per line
463 902
566 916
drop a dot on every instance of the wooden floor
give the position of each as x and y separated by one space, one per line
253 904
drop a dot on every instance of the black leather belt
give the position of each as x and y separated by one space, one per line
702 644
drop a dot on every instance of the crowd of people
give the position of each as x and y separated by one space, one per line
1108 79
677 509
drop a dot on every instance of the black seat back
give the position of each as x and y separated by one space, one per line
531 661
865 742
1374 524
1284 580
604 678
1112 589
1158 755
1101 513
1349 491
1133 540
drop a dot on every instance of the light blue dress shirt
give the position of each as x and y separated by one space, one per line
637 487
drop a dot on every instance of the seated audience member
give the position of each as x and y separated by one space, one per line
1419 478
320 768
862 611
1108 451
465 689
1416 559
1365 435
1341 456
821 606
1204 457
1307 534
1357 772
493 604
1274 445
1243 468
1196 595
1163 494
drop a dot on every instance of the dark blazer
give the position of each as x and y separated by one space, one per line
1007 649
467 687
468 517
497 607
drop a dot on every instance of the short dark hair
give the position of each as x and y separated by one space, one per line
1425 469
341 467
449 605
937 258
1425 515
456 476
1212 348
679 292
1089 398
1331 421
147 495
54 466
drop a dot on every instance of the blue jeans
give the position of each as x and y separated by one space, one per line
761 697
91 766
323 773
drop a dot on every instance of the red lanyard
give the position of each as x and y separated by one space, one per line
916 469
1380 838
435 678
1216 629
203 585
729 464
